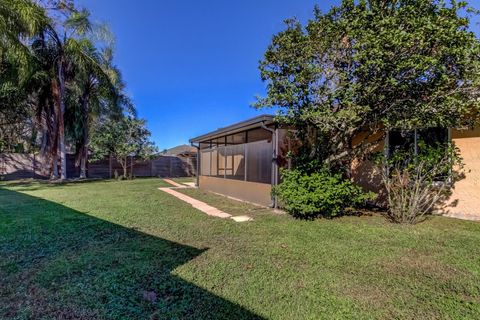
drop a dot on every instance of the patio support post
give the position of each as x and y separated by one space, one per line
245 155
197 173
226 158
274 159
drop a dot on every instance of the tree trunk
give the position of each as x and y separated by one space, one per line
61 122
63 150
131 167
83 164
53 129
85 138
55 167
125 167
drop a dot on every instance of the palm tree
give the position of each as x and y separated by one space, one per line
68 81
97 87
19 20
65 40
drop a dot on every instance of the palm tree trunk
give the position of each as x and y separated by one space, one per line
53 134
85 138
83 162
61 127
83 166
55 167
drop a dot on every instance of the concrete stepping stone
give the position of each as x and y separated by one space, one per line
190 184
242 218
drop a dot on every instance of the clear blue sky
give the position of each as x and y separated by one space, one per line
191 66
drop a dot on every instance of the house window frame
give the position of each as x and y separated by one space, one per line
416 136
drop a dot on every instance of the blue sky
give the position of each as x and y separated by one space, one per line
191 66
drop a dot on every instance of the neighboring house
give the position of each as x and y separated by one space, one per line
239 161
181 151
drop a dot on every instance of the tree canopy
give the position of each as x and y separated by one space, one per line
369 65
122 139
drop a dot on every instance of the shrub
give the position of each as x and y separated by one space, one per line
318 194
416 185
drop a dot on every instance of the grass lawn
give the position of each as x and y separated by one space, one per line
126 250
184 179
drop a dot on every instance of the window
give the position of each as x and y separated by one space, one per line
412 141
415 142
401 141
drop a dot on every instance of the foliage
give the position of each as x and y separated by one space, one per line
318 194
19 20
417 185
369 66
122 139
57 77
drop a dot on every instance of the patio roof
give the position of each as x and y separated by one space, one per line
235 128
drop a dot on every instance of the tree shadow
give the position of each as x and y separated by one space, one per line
41 184
60 263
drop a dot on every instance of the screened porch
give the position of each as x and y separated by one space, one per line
245 156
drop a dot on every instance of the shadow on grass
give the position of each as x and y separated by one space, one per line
60 263
41 184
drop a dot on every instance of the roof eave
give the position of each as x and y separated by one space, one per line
235 128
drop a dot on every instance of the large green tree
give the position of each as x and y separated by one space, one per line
62 39
67 52
369 65
123 139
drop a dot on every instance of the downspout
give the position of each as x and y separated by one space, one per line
274 179
197 173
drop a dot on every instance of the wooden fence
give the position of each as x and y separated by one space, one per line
14 166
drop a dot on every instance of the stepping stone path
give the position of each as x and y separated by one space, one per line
173 183
199 205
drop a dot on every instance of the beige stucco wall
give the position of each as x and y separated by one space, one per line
258 193
365 173
465 199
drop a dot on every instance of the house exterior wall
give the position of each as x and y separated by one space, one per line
254 192
365 173
465 199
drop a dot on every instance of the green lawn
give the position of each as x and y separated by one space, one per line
127 250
